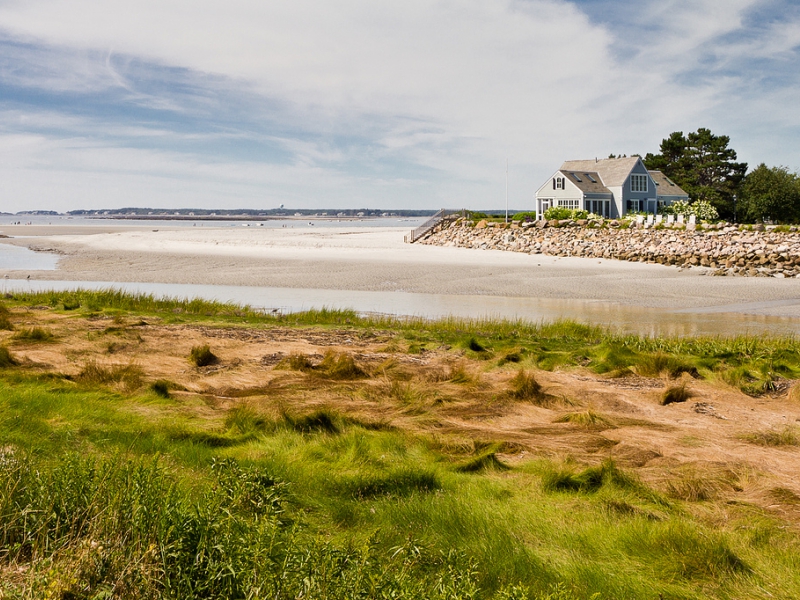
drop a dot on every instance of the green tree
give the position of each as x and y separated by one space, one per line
703 165
771 194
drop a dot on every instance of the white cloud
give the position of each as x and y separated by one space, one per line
446 88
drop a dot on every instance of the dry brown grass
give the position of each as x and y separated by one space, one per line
588 419
461 402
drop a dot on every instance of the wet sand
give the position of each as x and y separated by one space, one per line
377 259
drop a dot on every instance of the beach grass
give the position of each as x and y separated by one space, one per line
117 483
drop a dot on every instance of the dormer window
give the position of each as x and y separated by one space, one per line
639 183
558 183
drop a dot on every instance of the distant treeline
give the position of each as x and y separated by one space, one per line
273 212
242 212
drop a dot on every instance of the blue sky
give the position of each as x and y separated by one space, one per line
417 104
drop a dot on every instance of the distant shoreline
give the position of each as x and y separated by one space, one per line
233 218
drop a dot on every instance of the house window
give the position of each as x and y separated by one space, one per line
570 204
638 183
558 183
634 205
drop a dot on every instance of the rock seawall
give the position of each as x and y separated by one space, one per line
725 250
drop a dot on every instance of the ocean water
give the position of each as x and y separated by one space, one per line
619 317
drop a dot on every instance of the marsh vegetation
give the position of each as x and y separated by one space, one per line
326 455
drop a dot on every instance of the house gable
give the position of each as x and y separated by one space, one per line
566 189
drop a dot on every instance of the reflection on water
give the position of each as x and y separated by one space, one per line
627 319
15 258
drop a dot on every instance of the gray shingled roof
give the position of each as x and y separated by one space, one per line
586 185
612 171
665 186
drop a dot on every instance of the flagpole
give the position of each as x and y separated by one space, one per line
506 190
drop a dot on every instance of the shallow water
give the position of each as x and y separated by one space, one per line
622 318
15 258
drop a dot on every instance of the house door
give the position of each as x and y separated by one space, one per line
545 205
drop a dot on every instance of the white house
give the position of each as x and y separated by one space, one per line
609 187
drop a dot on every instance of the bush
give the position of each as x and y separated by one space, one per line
702 209
524 216
202 356
556 213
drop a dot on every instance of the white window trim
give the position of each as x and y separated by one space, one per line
638 177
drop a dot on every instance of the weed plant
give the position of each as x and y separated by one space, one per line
340 365
33 335
297 362
201 356
486 461
5 319
130 376
675 393
588 419
525 387
161 388
591 479
6 358
785 437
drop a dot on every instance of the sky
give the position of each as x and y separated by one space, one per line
418 104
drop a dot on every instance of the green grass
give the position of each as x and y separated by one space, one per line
109 494
96 495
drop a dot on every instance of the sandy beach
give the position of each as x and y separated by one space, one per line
377 259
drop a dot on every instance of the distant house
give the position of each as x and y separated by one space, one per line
609 187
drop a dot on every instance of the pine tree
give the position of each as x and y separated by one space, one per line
703 165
